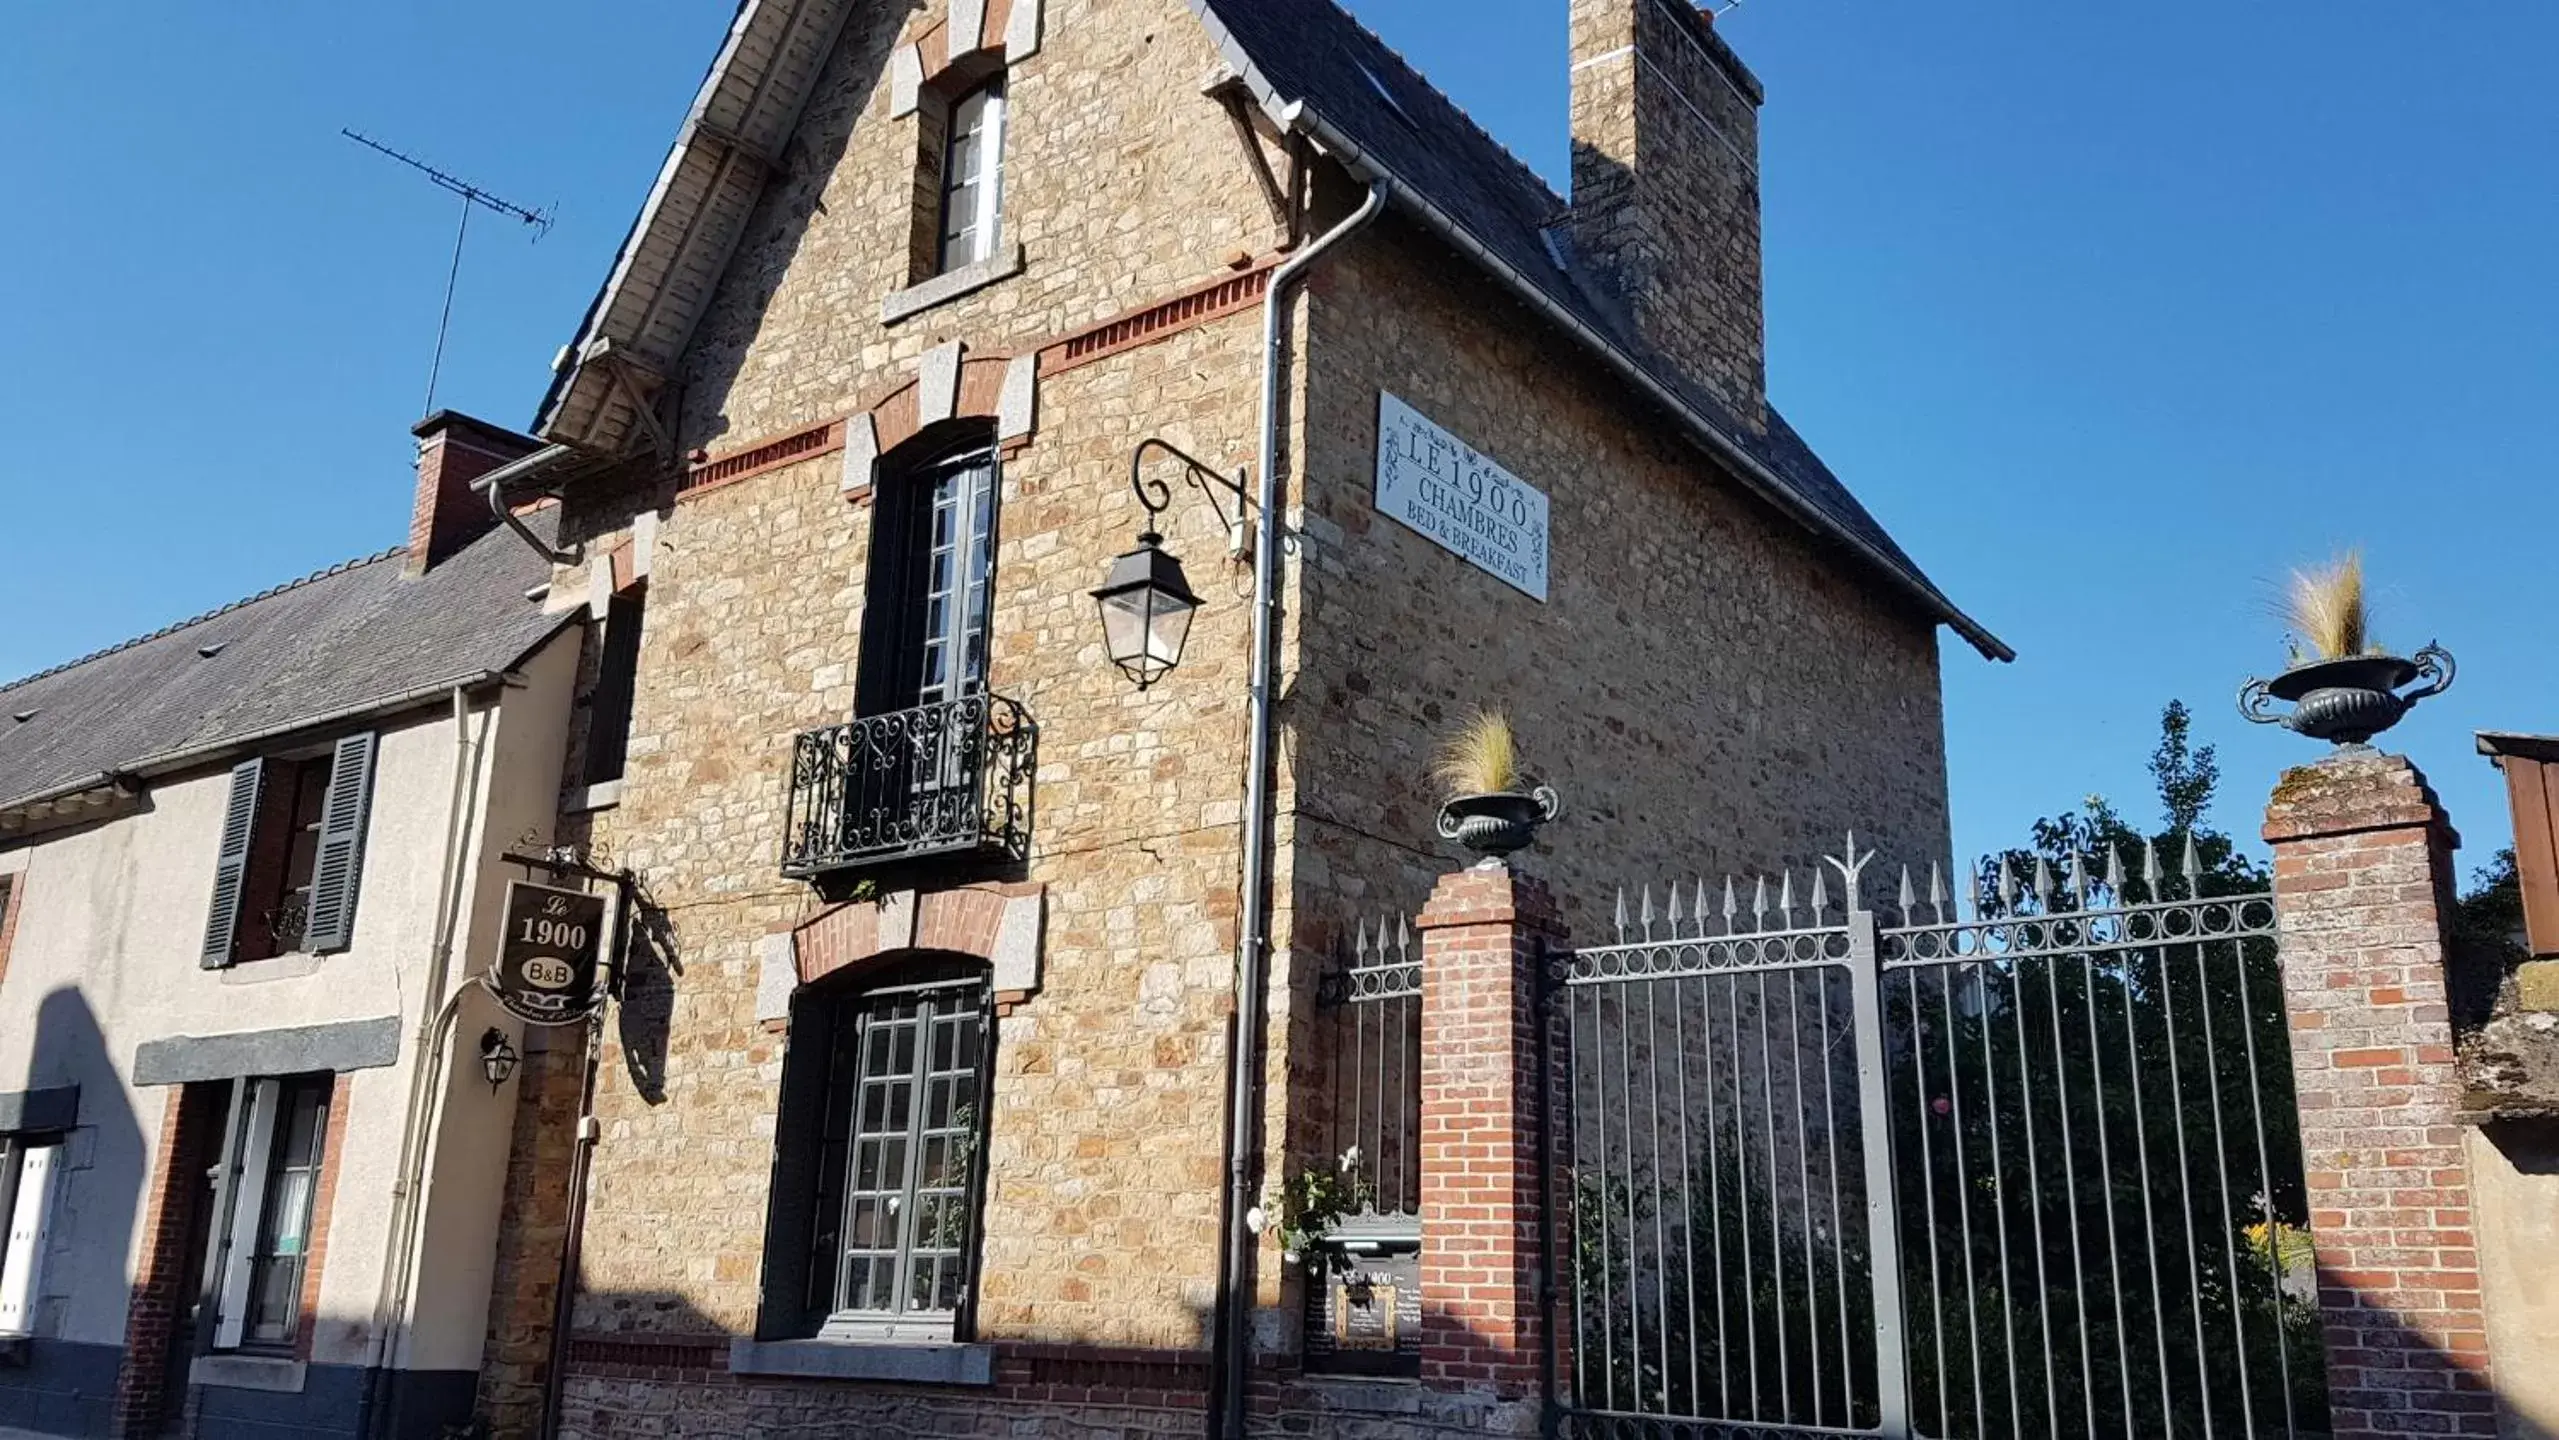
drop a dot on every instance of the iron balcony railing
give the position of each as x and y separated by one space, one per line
937 779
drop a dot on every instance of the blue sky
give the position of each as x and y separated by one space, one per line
2112 314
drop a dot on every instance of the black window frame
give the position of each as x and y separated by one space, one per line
617 679
809 1267
898 591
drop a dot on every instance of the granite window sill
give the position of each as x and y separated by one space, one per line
905 1362
587 799
249 1372
950 285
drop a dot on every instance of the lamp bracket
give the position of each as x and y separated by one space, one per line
1157 496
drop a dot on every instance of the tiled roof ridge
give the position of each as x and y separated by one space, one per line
1461 112
216 613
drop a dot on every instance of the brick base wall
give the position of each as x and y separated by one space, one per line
2363 875
524 1285
173 1191
677 1388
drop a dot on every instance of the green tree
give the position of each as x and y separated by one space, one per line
2188 779
2114 1020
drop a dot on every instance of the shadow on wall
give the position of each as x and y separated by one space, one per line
645 1015
651 1361
2380 1339
67 1384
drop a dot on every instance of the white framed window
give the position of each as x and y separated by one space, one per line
879 1173
27 1169
973 178
266 1244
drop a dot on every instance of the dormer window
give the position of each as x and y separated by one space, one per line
973 178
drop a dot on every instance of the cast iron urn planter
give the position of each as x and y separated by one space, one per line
2348 701
1498 822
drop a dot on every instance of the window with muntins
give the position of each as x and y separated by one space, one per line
973 177
880 1164
932 566
268 1237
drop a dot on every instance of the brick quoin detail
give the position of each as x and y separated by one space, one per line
1483 1323
2363 886
152 1314
13 898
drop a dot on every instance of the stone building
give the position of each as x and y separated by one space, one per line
245 865
916 1106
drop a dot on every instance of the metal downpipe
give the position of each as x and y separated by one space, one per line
436 1013
1231 1375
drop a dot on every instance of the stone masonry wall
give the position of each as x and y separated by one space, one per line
1707 688
1125 184
1122 183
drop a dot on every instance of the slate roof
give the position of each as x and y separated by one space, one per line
1311 53
341 642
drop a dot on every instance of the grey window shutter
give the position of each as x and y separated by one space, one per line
340 862
231 867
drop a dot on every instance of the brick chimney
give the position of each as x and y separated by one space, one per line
453 451
1665 214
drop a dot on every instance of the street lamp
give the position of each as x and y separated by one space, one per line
497 1057
1147 606
1146 601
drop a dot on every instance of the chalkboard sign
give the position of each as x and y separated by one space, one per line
548 956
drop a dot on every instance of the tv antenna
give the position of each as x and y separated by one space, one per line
472 195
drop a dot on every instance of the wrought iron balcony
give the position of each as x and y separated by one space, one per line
938 779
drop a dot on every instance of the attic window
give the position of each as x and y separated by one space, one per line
23 716
207 652
1385 94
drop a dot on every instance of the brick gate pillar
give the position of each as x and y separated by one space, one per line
1483 1311
2363 890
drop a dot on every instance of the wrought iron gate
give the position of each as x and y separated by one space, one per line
2032 1172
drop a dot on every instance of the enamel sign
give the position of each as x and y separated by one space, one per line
1446 489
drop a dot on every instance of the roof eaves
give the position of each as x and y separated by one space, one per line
2502 744
1296 114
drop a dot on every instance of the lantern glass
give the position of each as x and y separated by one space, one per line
497 1057
1147 607
1144 631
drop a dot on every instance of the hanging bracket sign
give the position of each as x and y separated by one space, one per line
1449 491
548 956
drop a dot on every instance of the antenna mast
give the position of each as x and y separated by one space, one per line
471 195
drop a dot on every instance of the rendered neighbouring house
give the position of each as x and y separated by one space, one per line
919 1104
245 865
